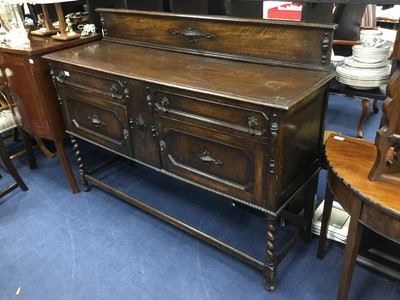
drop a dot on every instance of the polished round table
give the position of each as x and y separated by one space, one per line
373 204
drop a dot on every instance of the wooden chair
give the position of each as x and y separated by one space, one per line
348 17
9 123
365 179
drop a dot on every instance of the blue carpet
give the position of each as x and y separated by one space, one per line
56 245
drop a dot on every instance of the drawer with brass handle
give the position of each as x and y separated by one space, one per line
116 88
211 112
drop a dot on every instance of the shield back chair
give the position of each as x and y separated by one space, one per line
9 123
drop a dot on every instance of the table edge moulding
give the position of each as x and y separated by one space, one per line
231 105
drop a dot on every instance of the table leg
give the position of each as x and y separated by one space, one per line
351 250
29 149
375 106
43 148
326 215
66 165
364 113
309 206
270 268
81 168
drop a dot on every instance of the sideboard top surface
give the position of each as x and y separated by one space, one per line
276 86
41 45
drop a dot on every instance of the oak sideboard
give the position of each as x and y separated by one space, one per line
234 106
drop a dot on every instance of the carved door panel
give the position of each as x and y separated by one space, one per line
96 119
228 164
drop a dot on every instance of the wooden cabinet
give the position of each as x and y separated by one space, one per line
22 73
28 75
234 106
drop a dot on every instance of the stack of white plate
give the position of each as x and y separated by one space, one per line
368 68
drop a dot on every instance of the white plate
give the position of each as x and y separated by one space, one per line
370 50
361 84
373 73
350 61
364 88
362 81
370 60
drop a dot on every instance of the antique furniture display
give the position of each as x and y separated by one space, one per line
33 91
365 179
234 106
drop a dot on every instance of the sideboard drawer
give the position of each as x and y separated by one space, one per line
225 163
95 119
113 87
210 112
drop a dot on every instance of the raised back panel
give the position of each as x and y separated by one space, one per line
262 41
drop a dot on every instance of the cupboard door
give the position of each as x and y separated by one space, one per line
225 163
96 119
123 101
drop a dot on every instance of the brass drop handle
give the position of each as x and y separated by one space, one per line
163 106
164 102
252 122
96 121
113 90
205 156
